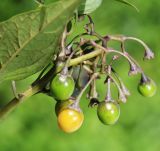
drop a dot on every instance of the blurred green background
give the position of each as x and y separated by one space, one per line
33 126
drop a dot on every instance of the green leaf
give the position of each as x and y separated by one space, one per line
89 6
28 41
129 4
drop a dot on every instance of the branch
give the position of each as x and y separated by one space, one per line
41 83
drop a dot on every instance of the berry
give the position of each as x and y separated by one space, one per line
62 86
70 120
148 88
108 112
61 105
59 66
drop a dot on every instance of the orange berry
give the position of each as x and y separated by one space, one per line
70 120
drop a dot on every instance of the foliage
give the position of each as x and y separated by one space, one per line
22 56
128 3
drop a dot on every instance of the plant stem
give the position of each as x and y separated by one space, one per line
108 96
86 86
14 102
13 83
85 57
42 83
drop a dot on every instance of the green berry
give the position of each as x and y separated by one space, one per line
108 112
147 89
62 86
61 105
59 66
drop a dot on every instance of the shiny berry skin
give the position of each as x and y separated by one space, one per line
108 112
147 89
59 66
70 120
61 105
62 87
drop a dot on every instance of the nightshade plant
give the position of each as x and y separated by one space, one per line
42 40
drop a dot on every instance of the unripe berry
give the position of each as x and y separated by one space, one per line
108 112
61 105
148 88
62 86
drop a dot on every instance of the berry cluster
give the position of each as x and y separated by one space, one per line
92 49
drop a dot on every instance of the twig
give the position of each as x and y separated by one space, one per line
42 83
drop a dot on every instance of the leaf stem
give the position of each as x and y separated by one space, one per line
95 75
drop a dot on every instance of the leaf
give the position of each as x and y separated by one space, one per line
89 6
28 41
129 4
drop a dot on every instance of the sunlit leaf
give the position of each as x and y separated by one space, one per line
28 41
129 4
89 6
